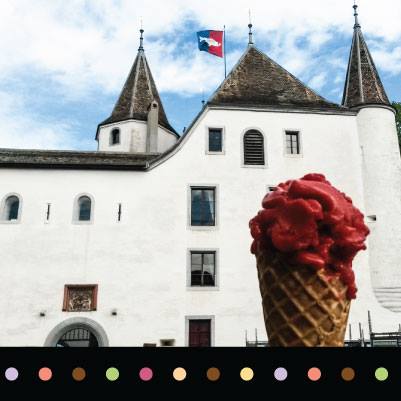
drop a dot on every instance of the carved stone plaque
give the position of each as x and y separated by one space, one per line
80 298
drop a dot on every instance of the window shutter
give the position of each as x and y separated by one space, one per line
254 152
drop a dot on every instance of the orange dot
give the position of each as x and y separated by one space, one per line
45 374
314 374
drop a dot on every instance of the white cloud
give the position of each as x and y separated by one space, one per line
20 129
318 81
87 44
387 59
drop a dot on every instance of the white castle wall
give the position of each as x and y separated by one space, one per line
140 263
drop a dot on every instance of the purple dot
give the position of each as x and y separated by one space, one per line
11 374
280 374
146 374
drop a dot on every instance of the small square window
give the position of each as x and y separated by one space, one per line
203 206
215 140
292 142
80 298
203 269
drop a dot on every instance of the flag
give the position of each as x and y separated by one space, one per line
211 42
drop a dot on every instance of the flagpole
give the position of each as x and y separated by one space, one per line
225 64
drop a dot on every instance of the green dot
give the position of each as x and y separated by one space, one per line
381 374
112 374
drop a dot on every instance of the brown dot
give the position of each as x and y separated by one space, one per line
78 374
213 374
348 374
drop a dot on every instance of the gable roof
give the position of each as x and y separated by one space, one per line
138 92
258 81
362 84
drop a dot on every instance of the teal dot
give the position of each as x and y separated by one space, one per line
112 374
381 374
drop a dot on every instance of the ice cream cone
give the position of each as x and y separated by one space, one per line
301 306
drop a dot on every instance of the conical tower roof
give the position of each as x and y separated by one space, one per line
362 84
138 92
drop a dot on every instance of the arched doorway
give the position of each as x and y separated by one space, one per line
77 332
78 337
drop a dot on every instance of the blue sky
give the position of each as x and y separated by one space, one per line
63 64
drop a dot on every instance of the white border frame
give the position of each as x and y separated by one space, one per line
216 287
223 139
264 148
216 207
75 210
200 317
300 139
3 205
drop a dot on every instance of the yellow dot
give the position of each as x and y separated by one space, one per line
246 374
179 374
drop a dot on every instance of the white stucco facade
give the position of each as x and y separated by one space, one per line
133 134
141 262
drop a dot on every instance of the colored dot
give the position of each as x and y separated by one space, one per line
246 374
179 374
112 374
11 374
146 374
348 374
314 374
78 374
381 374
213 374
280 374
45 374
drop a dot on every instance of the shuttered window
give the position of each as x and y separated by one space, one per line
254 150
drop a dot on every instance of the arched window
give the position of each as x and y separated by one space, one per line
254 148
84 208
11 208
115 136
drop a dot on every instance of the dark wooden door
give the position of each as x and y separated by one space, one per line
199 333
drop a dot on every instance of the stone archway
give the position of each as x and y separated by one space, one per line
76 323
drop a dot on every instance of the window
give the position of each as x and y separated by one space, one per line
11 208
80 298
215 140
254 149
115 136
84 208
199 333
202 206
48 212
203 269
292 143
119 212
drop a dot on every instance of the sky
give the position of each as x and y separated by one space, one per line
64 63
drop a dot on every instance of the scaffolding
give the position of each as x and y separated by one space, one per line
387 339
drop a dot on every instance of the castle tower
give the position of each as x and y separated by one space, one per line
381 167
138 122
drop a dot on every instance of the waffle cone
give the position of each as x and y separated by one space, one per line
301 306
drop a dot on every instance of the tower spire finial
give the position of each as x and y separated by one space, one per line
250 40
140 48
355 7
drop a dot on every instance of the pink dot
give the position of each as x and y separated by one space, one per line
45 374
146 374
314 374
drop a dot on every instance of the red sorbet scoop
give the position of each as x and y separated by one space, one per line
311 223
